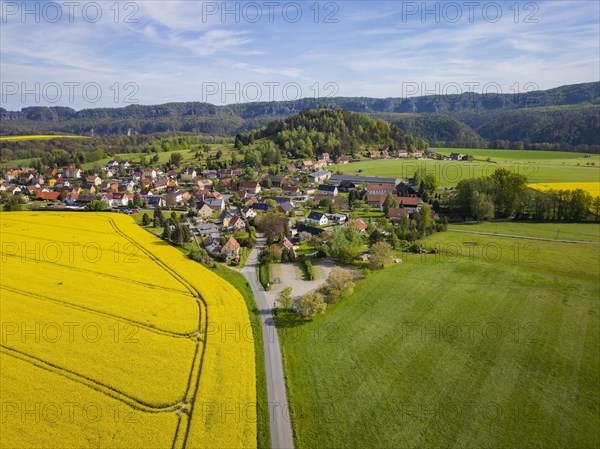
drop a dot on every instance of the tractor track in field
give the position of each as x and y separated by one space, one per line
96 273
193 384
88 382
184 407
62 303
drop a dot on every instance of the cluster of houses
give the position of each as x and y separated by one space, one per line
221 210
386 154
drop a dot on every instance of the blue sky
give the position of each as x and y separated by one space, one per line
155 52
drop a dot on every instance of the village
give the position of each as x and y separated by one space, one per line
221 206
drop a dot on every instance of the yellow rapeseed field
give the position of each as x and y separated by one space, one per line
39 137
112 338
593 188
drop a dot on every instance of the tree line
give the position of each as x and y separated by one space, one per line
505 194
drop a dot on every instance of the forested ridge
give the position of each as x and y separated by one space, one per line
567 117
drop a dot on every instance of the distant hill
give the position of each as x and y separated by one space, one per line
567 115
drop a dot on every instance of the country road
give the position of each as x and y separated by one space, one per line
279 415
524 237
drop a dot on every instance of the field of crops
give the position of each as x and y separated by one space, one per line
112 338
593 188
538 166
39 137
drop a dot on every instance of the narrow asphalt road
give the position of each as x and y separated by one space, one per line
524 237
280 423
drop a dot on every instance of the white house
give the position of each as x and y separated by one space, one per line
317 217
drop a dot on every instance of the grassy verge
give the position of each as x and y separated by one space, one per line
265 275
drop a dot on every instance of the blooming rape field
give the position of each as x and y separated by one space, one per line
112 338
593 188
40 137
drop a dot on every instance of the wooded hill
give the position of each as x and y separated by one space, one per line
567 115
334 131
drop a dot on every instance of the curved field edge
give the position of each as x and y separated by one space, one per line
238 281
65 414
228 371
224 411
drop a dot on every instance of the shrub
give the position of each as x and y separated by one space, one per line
198 254
310 304
339 283
381 254
310 271
264 274
96 206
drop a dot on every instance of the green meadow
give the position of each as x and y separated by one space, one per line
538 166
492 343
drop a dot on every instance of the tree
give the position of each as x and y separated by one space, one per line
389 203
145 219
425 222
339 283
345 244
96 206
137 199
176 159
158 217
180 235
285 298
272 203
272 225
381 254
376 236
310 304
13 204
508 189
249 174
596 207
170 199
482 206
428 185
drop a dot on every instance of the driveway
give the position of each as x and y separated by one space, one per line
289 275
280 423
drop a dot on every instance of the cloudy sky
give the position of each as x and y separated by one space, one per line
91 54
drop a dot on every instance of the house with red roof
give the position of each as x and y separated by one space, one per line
231 248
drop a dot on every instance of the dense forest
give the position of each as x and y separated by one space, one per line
335 131
565 118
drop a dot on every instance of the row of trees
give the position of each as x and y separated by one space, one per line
499 195
505 194
561 205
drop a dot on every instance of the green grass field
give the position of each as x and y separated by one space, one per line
538 166
518 155
493 343
564 231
